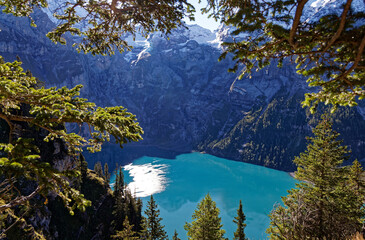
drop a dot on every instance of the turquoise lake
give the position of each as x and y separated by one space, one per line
179 184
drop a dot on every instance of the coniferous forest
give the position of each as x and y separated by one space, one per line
47 187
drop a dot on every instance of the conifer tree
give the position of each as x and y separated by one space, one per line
125 205
153 229
328 201
206 222
240 221
119 181
127 233
175 237
83 166
98 170
328 45
23 101
138 215
119 211
106 173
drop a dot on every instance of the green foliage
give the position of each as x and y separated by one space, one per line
106 173
24 105
119 181
23 162
152 228
328 202
206 222
98 170
108 21
330 52
274 135
175 237
125 205
239 220
99 214
102 174
51 108
23 102
83 166
127 233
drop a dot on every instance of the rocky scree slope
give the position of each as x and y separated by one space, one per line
181 93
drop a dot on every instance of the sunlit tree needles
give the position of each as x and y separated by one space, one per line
327 47
206 223
24 103
328 201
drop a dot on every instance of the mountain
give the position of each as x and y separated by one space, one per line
183 97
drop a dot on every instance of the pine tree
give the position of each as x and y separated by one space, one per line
119 209
119 181
328 202
127 233
328 49
99 170
23 103
175 237
83 166
106 173
125 205
206 222
240 221
138 215
153 229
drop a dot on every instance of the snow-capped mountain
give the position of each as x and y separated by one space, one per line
181 94
315 9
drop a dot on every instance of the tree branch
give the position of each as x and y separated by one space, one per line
3 234
296 21
356 62
20 200
342 25
19 118
11 126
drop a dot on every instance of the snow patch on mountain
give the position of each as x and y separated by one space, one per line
315 9
199 34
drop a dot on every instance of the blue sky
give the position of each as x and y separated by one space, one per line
200 19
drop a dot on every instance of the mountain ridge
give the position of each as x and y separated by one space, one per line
182 96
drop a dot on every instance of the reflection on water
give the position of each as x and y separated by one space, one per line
148 179
179 184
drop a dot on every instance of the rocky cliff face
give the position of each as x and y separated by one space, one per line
182 95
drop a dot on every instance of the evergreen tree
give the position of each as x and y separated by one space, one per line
107 21
138 215
125 205
153 229
119 181
127 233
206 222
240 221
23 102
175 237
119 211
83 166
328 202
106 173
328 47
99 170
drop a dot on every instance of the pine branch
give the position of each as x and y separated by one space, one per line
20 200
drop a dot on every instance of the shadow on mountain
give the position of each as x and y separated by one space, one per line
113 154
